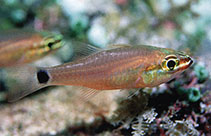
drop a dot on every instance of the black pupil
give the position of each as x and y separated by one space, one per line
171 64
50 44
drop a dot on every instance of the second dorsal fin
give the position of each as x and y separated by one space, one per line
81 49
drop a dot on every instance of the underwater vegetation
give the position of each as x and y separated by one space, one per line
180 107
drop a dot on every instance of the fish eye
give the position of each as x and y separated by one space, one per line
50 44
171 64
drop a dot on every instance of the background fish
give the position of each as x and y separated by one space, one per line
119 68
20 47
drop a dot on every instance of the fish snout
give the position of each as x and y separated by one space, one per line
190 61
186 63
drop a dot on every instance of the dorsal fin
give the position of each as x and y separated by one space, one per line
113 46
81 49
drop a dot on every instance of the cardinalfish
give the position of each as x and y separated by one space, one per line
20 47
125 67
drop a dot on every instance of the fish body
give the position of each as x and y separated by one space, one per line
119 68
18 47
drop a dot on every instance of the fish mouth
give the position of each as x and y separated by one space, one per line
190 61
187 62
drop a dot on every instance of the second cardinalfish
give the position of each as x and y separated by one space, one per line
117 68
19 47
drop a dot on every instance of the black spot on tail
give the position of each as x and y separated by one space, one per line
42 76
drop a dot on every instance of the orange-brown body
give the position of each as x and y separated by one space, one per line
18 48
121 68
117 68
12 50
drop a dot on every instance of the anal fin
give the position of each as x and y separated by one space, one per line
85 94
88 93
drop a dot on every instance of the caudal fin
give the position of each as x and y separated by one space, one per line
25 80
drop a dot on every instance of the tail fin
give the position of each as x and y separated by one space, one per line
25 80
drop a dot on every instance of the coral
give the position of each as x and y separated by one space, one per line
193 94
190 87
184 128
129 108
201 73
142 124
166 123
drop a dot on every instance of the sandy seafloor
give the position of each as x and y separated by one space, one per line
53 111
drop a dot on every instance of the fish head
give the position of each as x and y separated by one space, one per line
177 62
167 65
174 64
47 45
